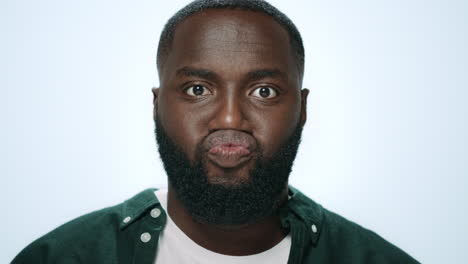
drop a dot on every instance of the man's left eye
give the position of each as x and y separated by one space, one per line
265 92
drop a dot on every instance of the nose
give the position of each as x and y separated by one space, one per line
229 114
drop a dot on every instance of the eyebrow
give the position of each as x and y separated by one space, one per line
266 73
210 75
196 72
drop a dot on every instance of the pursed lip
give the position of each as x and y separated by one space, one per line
229 155
229 148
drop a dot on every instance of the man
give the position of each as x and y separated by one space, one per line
228 114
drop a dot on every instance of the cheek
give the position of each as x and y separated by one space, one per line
182 126
274 127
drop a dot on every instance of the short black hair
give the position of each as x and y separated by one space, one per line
262 6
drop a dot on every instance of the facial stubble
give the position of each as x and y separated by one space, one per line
228 204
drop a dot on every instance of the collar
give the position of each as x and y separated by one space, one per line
299 207
305 211
134 207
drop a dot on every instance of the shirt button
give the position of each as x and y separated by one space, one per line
155 213
314 228
145 237
127 219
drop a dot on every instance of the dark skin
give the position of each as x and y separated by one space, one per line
229 70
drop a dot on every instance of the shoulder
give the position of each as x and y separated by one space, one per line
337 238
96 230
353 239
61 243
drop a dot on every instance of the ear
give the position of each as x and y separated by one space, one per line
304 94
155 91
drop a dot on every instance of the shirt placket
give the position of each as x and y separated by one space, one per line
147 235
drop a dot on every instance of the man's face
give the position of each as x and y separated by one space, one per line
230 93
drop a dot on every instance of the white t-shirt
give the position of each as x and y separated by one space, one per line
175 247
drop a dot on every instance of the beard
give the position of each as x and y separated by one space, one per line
219 204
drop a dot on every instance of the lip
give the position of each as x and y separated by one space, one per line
229 155
229 148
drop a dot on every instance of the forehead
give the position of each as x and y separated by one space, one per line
232 39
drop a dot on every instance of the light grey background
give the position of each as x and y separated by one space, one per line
385 144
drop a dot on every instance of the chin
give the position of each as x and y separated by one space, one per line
229 177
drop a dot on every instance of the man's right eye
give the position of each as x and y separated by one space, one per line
197 90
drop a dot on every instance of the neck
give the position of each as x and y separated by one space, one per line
239 240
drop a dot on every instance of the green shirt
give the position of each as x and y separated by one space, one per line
129 232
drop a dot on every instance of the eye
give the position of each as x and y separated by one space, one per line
197 90
265 92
